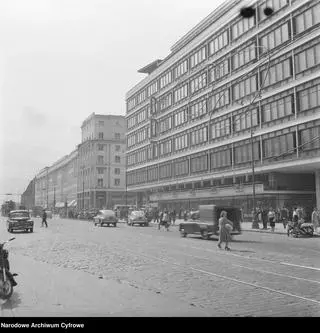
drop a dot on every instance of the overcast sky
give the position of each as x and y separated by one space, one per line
61 60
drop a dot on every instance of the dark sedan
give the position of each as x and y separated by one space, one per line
107 217
19 220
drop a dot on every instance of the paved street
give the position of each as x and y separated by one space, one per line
75 269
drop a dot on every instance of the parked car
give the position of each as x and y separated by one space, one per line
105 217
19 220
138 217
92 213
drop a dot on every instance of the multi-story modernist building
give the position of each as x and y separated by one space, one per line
101 181
191 119
28 196
56 186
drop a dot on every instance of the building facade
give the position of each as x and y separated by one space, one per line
101 177
231 91
56 186
28 196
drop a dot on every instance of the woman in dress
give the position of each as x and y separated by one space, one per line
271 217
225 227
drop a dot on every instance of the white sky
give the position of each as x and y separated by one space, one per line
61 60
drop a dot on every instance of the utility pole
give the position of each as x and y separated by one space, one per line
83 194
54 199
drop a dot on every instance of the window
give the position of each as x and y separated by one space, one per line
242 121
243 153
141 96
198 83
117 136
100 159
165 171
199 136
180 117
165 147
100 182
117 171
181 168
276 5
278 109
219 71
132 122
309 98
277 73
165 79
245 87
307 19
242 26
100 135
141 135
181 142
100 171
181 69
117 148
198 57
307 58
152 89
117 159
116 181
165 124
221 158
181 93
283 144
198 109
199 164
132 103
275 38
165 101
152 174
141 116
221 128
220 99
131 140
309 138
101 123
100 147
244 56
218 43
131 159
141 156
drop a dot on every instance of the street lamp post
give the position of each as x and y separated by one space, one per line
83 194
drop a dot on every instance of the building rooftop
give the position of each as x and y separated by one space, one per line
150 67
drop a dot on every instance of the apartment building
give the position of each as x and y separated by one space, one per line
102 179
28 196
56 186
232 90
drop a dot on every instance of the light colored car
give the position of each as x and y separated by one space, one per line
107 217
138 217
19 220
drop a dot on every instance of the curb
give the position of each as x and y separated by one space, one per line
264 231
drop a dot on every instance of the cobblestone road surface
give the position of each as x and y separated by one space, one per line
158 273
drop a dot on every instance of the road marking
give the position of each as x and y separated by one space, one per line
308 267
232 279
273 273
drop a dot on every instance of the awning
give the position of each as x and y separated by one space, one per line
72 203
59 204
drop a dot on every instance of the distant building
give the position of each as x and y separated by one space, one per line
28 196
56 186
101 173
189 120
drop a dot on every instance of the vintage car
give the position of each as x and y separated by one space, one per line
19 220
105 217
194 215
138 217
208 223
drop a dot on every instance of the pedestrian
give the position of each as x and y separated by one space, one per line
284 215
225 227
174 214
44 219
185 215
271 218
180 214
265 218
315 219
160 220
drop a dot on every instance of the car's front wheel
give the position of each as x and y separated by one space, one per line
31 229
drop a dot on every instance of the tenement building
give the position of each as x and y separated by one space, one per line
101 180
232 90
56 186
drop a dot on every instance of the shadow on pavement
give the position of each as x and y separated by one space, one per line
245 241
12 303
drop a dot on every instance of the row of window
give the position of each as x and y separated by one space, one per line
101 171
100 182
117 136
270 40
272 109
100 147
100 159
272 149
